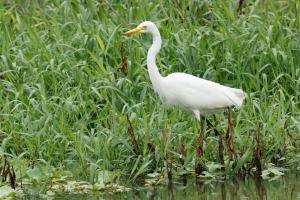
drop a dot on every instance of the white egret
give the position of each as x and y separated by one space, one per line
188 91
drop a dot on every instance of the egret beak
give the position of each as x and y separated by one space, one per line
135 30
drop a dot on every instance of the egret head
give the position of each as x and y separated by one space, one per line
144 27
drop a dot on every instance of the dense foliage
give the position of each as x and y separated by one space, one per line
68 78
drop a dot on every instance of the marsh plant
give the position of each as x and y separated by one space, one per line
76 100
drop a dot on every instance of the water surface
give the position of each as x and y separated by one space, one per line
286 187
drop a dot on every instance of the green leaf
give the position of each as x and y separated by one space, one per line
100 42
95 58
142 169
243 160
105 177
35 173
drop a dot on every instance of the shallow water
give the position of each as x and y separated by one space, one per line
286 187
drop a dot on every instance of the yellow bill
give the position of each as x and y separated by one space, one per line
133 31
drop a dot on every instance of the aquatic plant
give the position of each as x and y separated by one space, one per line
69 79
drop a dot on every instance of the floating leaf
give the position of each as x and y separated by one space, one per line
276 172
153 175
6 191
206 175
272 173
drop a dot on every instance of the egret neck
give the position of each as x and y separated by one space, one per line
154 74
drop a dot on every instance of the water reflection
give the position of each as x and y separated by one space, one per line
170 191
287 187
260 188
223 191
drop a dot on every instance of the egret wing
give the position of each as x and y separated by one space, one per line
195 93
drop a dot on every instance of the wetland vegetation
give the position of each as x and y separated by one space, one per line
77 109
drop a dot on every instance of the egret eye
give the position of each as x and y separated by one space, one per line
143 28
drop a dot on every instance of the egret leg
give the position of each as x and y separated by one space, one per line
229 137
200 165
220 141
202 121
201 137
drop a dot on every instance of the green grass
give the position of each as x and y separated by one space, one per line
64 99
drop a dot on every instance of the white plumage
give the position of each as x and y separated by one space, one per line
188 91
